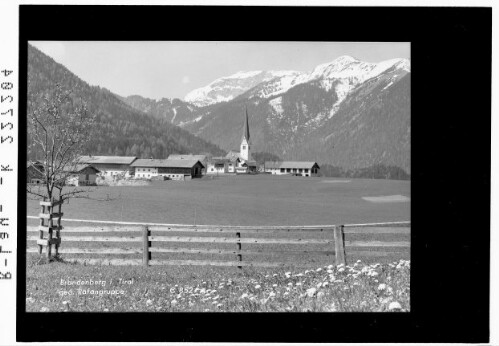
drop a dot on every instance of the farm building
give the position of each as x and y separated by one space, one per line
82 175
34 173
222 165
201 158
173 169
302 168
110 166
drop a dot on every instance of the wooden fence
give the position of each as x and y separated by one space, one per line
238 241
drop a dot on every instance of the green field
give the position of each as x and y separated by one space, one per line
243 200
236 200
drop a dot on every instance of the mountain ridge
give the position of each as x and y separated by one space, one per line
121 128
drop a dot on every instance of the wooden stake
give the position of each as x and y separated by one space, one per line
40 234
239 245
51 226
339 245
146 245
58 231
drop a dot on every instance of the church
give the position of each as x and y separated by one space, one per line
235 161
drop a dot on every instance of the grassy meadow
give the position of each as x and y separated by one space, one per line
243 200
356 287
311 282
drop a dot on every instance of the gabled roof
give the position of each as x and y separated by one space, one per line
119 160
186 157
80 167
291 164
219 160
165 163
233 155
250 163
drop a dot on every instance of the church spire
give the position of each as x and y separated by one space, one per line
246 133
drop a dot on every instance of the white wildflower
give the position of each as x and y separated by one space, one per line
311 291
381 287
394 306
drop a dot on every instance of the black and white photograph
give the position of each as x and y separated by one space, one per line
218 176
248 173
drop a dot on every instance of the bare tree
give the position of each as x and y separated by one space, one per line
59 127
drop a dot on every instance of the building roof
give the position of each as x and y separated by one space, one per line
250 163
79 167
233 155
219 160
186 157
290 164
119 160
165 163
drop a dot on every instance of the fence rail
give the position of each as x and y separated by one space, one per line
335 239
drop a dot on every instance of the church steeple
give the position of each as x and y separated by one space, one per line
246 133
245 140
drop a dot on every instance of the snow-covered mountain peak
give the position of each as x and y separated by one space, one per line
226 88
345 71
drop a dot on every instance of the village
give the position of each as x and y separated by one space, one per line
89 170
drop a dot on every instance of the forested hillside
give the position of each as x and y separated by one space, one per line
120 129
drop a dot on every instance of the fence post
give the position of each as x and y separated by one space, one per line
51 228
339 245
58 229
40 231
146 254
239 255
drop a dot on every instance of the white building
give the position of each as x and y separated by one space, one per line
172 169
110 166
81 175
301 168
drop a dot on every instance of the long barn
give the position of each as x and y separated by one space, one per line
173 169
303 168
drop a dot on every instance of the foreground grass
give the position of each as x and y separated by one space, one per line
358 287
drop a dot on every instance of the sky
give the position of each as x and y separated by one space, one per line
173 69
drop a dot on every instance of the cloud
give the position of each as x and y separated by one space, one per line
186 80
